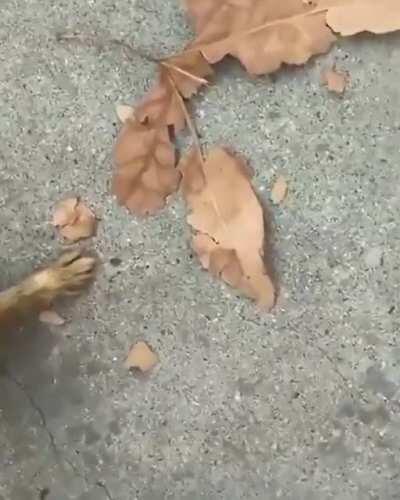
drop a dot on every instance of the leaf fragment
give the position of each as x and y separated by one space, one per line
51 317
65 212
141 357
335 81
74 219
279 190
228 222
124 112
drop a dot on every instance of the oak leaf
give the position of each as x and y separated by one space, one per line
145 172
262 34
145 157
228 222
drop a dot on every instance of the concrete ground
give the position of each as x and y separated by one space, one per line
299 404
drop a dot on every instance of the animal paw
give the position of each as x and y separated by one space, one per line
73 271
67 276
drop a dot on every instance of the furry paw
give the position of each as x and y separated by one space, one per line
72 272
67 276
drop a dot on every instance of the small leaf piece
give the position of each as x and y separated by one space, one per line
228 220
124 112
74 220
51 317
142 357
334 80
262 34
145 167
65 212
279 190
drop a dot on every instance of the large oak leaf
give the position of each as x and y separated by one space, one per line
228 222
262 34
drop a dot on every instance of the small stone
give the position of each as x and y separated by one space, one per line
374 257
115 261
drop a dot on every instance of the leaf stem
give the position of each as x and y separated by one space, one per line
188 119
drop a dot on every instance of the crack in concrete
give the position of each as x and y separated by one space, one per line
36 407
105 489
52 441
350 385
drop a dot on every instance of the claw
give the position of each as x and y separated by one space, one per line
72 272
68 257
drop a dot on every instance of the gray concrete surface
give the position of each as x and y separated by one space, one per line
299 404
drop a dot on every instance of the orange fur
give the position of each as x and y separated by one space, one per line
67 276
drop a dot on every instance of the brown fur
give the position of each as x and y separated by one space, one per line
67 276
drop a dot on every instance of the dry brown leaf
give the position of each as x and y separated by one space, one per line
349 17
228 220
335 81
279 190
142 357
262 34
145 172
145 157
179 77
51 318
74 220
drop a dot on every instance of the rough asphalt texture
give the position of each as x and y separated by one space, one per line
299 404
